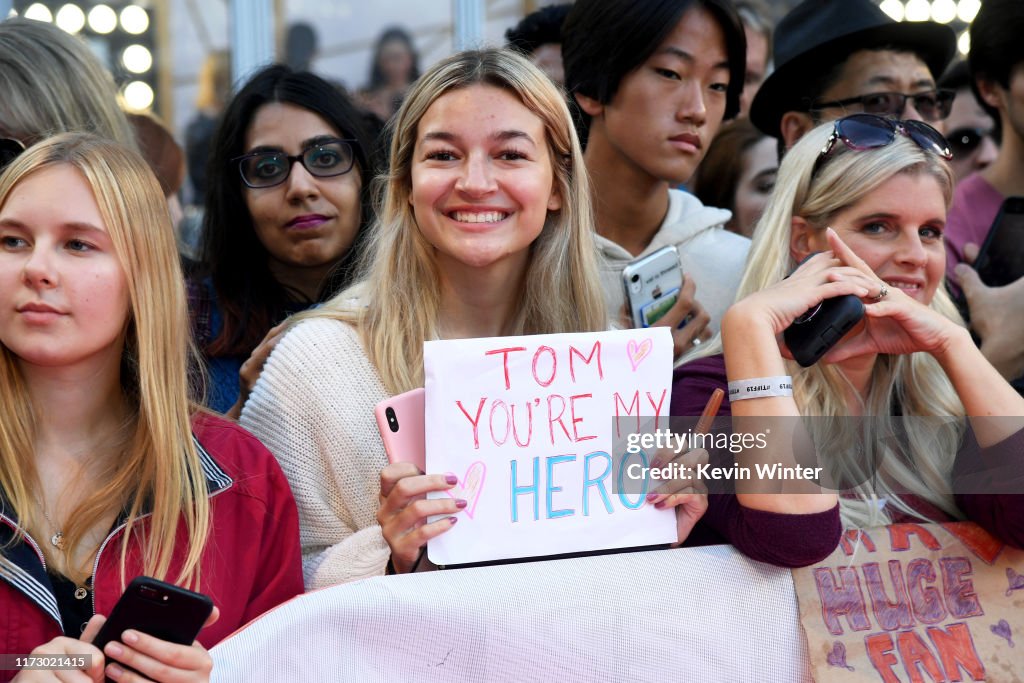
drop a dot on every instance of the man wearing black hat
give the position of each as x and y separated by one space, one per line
838 57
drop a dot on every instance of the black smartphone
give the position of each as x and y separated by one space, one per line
160 609
1001 258
820 328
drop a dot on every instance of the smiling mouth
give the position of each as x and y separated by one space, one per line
905 286
478 216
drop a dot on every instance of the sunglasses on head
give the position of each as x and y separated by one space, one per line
869 131
964 141
9 151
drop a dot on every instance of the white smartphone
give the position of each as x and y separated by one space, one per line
400 421
652 285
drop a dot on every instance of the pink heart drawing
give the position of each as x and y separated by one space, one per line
1002 629
837 657
1015 580
637 352
470 486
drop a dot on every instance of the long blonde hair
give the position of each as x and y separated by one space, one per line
159 467
915 382
52 83
399 292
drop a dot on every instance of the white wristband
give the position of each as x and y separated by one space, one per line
760 387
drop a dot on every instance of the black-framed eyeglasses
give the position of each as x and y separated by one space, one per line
964 141
9 151
933 105
325 159
870 131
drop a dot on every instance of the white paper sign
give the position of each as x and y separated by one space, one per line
526 424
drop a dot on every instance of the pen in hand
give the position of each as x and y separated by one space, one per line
710 411
707 417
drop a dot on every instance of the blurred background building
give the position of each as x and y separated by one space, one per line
156 49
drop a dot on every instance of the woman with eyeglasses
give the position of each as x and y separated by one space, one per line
287 208
906 414
969 128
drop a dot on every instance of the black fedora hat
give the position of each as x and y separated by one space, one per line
818 34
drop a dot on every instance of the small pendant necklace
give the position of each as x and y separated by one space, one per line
57 540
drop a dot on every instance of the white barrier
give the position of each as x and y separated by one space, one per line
695 614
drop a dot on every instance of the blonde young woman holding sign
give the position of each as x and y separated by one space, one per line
485 230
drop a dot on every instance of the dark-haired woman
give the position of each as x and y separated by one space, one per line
394 68
286 210
738 173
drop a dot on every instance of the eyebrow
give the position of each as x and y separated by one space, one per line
499 136
686 56
73 226
305 144
78 226
889 81
883 214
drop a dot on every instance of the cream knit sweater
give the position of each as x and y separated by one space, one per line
313 408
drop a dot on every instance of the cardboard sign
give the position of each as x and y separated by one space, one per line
526 424
915 602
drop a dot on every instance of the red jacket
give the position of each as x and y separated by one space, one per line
252 560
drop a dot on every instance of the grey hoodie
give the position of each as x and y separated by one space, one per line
711 255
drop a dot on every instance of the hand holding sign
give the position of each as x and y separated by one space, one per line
688 497
404 510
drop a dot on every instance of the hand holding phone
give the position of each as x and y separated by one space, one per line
820 328
400 422
652 285
158 609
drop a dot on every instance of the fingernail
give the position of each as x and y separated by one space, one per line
114 671
960 269
659 505
452 520
114 650
651 496
461 503
130 637
656 464
451 479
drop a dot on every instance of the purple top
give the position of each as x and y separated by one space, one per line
780 539
975 205
797 540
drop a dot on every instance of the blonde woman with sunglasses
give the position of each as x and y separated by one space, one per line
859 210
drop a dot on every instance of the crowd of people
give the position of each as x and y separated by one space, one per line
200 410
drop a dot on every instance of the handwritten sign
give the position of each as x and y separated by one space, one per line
526 425
919 603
